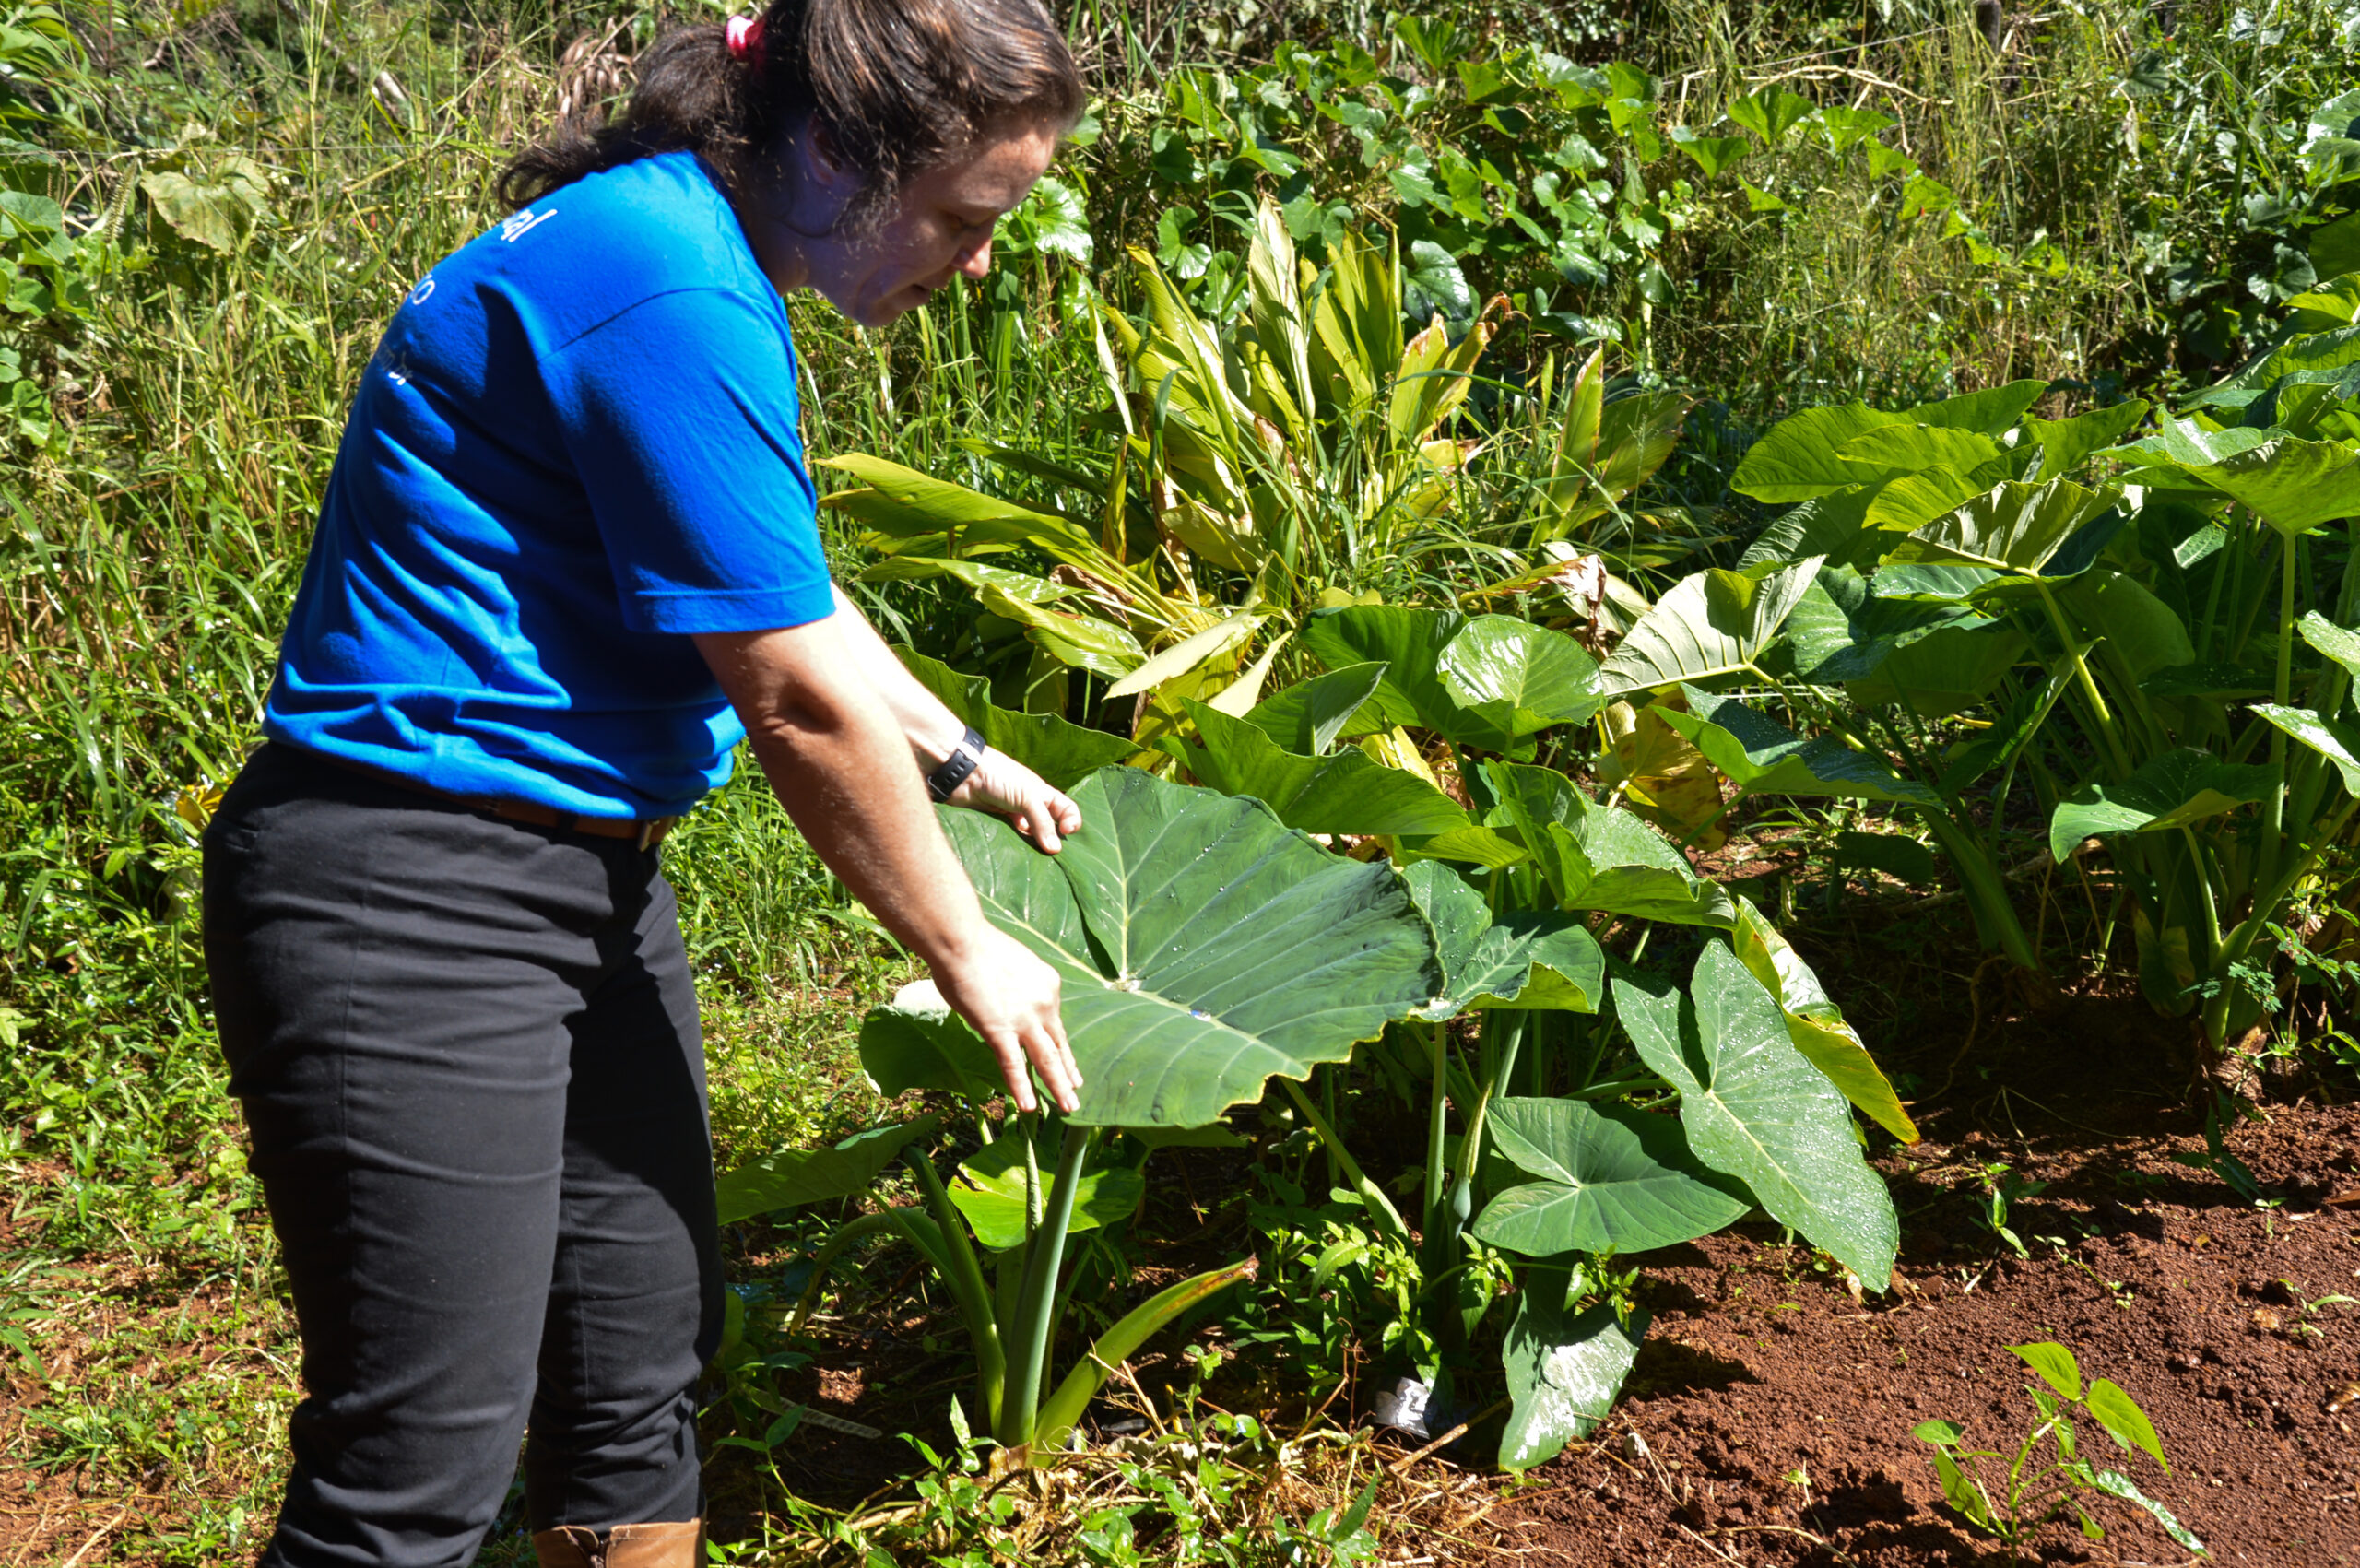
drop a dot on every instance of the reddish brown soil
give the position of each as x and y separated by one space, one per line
1773 1413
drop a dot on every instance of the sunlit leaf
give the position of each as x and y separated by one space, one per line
1564 1375
1203 946
1757 1110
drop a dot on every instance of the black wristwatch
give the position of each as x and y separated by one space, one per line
964 759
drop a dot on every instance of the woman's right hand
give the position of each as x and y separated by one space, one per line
1011 998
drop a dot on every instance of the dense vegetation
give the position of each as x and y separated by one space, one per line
1522 446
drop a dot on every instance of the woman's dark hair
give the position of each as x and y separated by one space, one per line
893 87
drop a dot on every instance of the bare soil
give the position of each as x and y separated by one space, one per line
1768 1420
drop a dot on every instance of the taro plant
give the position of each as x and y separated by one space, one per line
1955 565
1205 949
2037 1487
1519 871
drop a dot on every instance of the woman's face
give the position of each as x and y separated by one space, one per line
940 224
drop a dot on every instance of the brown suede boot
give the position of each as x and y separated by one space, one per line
625 1546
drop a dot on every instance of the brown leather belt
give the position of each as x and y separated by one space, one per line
647 833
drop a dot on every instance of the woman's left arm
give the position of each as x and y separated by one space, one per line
999 784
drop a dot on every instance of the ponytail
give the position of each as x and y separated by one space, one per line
895 87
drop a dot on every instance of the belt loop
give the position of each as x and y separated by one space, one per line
647 832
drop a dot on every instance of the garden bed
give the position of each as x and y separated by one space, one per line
1769 1417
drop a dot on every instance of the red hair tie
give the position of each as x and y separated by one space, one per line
745 38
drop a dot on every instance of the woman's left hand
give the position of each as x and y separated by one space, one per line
1006 787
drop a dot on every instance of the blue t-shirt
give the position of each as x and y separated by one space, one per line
576 443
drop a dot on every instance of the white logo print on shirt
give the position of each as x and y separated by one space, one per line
518 224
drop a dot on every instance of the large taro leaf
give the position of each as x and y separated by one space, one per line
1312 715
1829 525
1840 630
1598 857
1800 457
1344 793
794 1176
1060 752
1565 1374
1765 758
2013 527
2170 791
2139 628
1530 958
1915 500
1889 452
1713 623
2065 442
1518 678
2338 740
1991 411
1756 1109
991 1192
1659 776
1952 669
2291 484
1488 681
1204 947
1610 1180
1407 641
1815 1023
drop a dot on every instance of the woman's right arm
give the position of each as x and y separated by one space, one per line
843 769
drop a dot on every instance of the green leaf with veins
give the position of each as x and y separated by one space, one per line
1991 411
1529 959
1713 623
1891 451
2174 790
1611 1180
1766 758
1564 1375
1312 715
990 1191
1798 458
2338 740
1346 792
1599 857
917 1042
1815 1023
1756 1109
1841 632
1916 500
2337 643
2065 443
2014 527
1204 947
2291 484
1060 752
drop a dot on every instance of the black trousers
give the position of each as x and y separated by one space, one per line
469 1056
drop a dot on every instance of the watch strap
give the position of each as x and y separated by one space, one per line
964 759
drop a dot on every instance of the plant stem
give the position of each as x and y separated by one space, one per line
1035 1322
1438 1128
965 1275
2102 715
1380 1208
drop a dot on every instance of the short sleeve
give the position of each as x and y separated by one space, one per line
680 416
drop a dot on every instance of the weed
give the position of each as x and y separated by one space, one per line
2035 1488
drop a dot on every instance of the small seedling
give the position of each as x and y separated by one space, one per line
2034 1493
2001 1188
2224 1110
